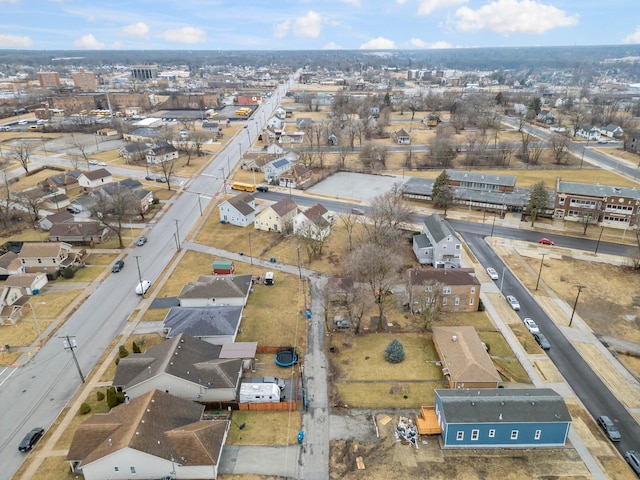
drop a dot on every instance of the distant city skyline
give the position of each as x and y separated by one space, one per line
314 25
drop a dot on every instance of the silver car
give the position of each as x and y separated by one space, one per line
513 301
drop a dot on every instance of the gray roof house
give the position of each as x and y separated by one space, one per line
275 168
239 210
216 290
183 366
60 217
216 325
151 436
437 244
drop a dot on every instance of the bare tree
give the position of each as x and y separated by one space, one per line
349 221
586 220
560 148
82 148
31 200
504 152
377 267
167 168
313 237
112 209
198 139
373 156
354 303
6 200
22 153
425 300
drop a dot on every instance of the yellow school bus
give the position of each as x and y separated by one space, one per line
245 187
244 111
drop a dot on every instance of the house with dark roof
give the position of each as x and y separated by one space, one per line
277 217
456 290
502 418
183 366
94 178
61 181
161 153
437 244
10 264
216 325
402 137
79 233
55 201
275 168
61 217
133 150
50 257
16 294
239 210
296 176
313 223
216 290
156 435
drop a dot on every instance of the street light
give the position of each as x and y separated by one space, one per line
540 271
575 304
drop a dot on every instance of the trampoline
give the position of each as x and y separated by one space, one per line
286 358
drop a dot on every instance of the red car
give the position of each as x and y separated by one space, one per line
546 241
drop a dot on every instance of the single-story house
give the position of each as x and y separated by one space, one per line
79 233
133 150
61 217
183 366
216 325
156 435
502 418
402 137
10 264
216 290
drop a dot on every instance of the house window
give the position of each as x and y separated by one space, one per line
39 260
116 469
446 290
444 247
444 300
492 433
475 434
514 434
471 301
132 470
561 201
458 246
537 435
457 301
428 289
460 436
473 290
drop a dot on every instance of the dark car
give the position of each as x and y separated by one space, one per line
141 241
609 428
262 188
633 459
30 439
119 265
542 341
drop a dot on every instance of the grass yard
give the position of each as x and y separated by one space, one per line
97 406
52 468
283 428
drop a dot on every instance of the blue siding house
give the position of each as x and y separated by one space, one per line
499 418
437 244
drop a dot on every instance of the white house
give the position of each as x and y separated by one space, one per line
239 210
156 435
275 168
313 223
437 244
94 179
161 153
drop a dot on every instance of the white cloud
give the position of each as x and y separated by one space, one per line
9 1
401 2
281 29
425 7
185 35
355 3
379 43
139 29
513 16
419 43
308 26
117 45
14 41
332 46
88 42
633 37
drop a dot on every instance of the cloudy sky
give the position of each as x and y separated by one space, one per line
314 24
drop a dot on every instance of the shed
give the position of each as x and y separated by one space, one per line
223 267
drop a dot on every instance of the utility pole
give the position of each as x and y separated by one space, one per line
580 287
598 243
250 251
177 235
69 342
139 275
540 271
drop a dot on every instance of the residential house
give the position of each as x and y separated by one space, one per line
143 135
152 436
437 244
254 162
277 217
280 113
10 264
558 129
212 127
546 117
402 137
456 290
303 123
55 201
136 200
239 210
61 182
133 150
612 131
275 168
216 325
216 290
79 233
183 366
464 359
502 418
292 137
313 223
605 205
591 133
50 257
431 120
276 124
61 217
94 178
296 176
269 136
16 294
633 142
161 153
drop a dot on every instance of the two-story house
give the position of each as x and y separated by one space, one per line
275 168
296 176
457 290
437 244
94 178
402 137
277 217
239 210
50 257
314 223
161 153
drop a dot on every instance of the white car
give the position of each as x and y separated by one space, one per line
492 273
102 164
93 162
513 301
143 287
531 325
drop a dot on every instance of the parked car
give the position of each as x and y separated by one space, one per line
513 301
141 241
149 178
143 287
262 188
93 162
102 164
531 325
633 459
161 179
357 211
603 140
546 241
119 265
609 428
30 439
276 380
73 210
542 341
493 275
22 122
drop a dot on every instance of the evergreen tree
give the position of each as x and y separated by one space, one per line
394 353
112 400
135 348
442 192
